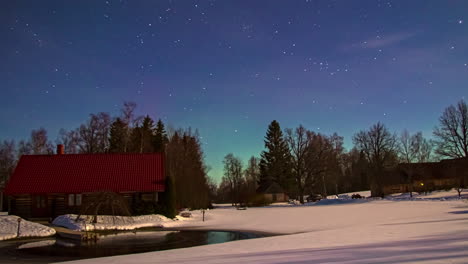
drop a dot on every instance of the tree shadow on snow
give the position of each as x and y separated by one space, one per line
460 212
429 248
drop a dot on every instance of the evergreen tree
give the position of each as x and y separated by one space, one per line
142 136
117 137
275 160
169 198
160 137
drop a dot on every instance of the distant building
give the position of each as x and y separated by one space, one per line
44 186
272 192
429 176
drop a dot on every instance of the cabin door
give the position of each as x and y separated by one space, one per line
39 206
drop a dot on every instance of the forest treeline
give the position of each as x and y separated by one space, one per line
299 160
305 162
126 133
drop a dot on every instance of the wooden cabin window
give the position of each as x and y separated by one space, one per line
74 199
78 199
41 202
71 200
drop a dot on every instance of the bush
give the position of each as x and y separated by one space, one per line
258 200
147 207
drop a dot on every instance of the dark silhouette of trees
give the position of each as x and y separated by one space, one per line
38 144
299 145
252 175
118 136
94 134
160 137
316 160
379 147
70 140
414 148
275 160
128 118
452 133
335 166
233 175
169 198
355 171
142 136
184 163
7 165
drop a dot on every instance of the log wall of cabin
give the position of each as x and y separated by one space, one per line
21 206
57 204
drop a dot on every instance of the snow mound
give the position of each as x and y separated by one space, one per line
107 222
9 228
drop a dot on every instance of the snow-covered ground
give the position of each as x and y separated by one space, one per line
117 222
9 228
358 231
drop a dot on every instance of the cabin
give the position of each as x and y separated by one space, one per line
45 186
272 192
428 176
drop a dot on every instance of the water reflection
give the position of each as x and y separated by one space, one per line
111 244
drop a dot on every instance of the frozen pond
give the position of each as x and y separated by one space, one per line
110 244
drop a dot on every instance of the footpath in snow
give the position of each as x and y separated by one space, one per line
9 228
356 231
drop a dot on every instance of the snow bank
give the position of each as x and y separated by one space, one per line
106 222
359 231
9 228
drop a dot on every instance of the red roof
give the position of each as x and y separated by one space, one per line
80 173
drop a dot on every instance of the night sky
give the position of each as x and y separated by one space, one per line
228 68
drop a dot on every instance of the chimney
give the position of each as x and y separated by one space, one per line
60 149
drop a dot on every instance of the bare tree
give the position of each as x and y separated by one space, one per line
252 174
24 148
414 148
70 140
422 148
319 157
39 142
7 161
128 118
233 174
94 135
7 165
336 161
379 147
406 147
452 133
298 141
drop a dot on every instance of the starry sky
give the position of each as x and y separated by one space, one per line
229 67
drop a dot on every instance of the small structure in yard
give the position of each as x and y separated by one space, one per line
186 214
272 192
45 186
428 176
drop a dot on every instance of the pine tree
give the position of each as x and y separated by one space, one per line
160 138
142 136
169 198
275 160
117 137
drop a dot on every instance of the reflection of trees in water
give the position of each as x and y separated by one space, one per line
145 243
